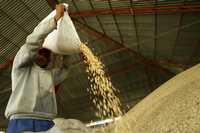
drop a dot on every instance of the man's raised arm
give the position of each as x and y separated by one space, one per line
34 41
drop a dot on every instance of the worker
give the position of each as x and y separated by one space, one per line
32 104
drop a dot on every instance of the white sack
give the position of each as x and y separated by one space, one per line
63 40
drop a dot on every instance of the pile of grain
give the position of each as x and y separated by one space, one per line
102 93
68 126
172 108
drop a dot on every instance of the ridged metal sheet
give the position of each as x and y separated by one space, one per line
18 19
100 4
39 7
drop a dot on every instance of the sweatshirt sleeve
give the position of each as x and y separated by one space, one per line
60 74
34 41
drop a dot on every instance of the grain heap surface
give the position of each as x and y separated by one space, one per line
172 108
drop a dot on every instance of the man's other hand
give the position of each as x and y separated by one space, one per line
59 12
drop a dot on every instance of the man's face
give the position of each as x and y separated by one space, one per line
43 57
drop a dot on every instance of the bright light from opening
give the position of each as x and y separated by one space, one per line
102 122
2 132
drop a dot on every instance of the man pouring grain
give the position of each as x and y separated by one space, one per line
32 104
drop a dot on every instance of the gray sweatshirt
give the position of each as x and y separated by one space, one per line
33 94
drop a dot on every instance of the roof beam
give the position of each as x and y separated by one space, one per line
107 39
135 25
100 23
116 23
138 10
92 32
132 66
77 9
155 29
178 34
124 69
120 47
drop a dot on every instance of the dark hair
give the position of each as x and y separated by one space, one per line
45 52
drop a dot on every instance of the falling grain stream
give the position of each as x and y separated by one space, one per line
102 92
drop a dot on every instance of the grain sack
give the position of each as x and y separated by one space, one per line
64 39
172 108
71 126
